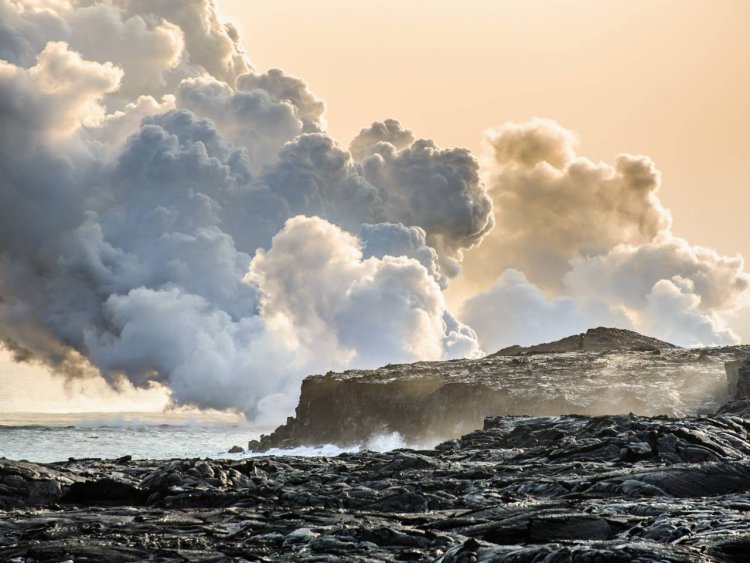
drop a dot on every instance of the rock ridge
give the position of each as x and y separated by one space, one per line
601 339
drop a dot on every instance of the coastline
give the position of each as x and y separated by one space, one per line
614 487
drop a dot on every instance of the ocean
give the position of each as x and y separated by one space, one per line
680 383
46 437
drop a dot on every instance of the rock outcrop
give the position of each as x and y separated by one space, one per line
522 488
594 340
567 488
738 379
604 371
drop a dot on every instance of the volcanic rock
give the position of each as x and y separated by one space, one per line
555 488
612 488
604 371
594 340
738 378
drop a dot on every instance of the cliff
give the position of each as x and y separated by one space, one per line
738 379
604 371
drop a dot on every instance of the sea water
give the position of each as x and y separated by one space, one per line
44 437
47 437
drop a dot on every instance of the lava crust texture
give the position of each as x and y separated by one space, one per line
569 488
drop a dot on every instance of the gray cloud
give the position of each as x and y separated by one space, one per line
156 42
308 108
374 307
211 46
388 239
157 238
251 119
389 132
552 205
514 311
675 312
627 273
316 176
421 184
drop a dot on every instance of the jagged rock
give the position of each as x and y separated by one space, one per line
235 450
555 488
44 492
103 492
739 408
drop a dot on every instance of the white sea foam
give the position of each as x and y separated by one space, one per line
377 443
48 438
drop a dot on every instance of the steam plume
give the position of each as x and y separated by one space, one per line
595 245
181 218
170 214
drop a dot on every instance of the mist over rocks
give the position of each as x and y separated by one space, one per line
601 372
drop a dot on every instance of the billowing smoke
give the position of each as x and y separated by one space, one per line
421 184
514 311
157 44
170 214
595 247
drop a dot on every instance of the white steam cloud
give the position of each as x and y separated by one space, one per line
170 214
595 245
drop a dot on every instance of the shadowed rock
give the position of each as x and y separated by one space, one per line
738 378
557 488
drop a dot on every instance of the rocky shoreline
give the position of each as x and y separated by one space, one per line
610 488
570 488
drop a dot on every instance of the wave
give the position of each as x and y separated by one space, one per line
381 443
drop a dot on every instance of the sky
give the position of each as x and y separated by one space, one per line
181 220
668 79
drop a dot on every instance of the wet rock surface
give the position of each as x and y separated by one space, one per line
569 488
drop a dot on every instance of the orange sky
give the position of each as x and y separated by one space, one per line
668 79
